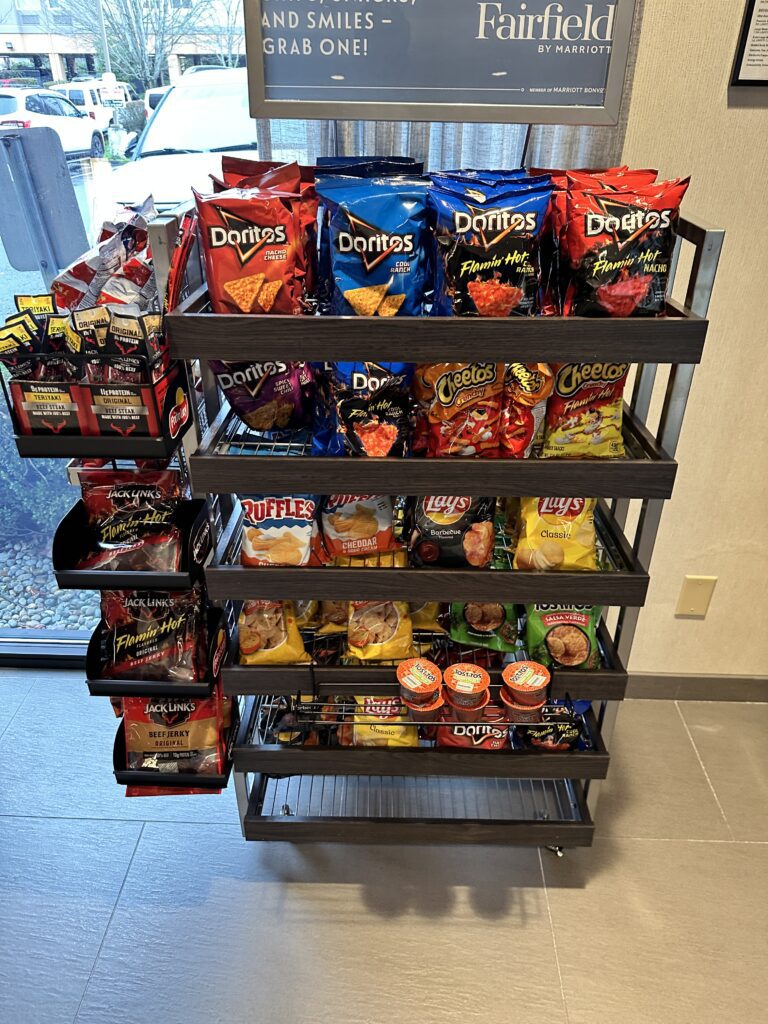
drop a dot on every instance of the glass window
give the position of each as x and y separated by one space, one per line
77 97
8 104
204 115
94 97
34 104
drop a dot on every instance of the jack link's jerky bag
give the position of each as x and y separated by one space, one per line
151 634
488 246
379 245
620 246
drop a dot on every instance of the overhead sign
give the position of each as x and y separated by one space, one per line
439 60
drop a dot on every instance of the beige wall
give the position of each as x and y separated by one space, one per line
717 522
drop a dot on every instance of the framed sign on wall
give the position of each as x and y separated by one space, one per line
547 61
751 64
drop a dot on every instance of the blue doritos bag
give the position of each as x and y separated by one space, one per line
326 438
487 239
354 167
373 407
380 245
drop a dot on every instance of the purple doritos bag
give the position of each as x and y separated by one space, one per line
274 399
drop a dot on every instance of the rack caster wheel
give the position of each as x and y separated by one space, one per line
286 811
557 850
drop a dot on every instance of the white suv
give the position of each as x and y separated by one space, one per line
87 99
43 108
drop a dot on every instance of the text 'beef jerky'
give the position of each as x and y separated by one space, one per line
620 246
379 245
488 246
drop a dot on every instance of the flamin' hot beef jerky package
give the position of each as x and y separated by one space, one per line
620 246
251 240
273 398
488 247
379 245
451 530
132 516
372 407
152 634
173 735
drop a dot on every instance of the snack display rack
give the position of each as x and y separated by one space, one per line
527 796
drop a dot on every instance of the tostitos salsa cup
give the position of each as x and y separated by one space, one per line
466 685
469 714
425 712
526 682
420 681
520 713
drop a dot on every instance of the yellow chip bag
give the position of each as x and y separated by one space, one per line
381 722
306 613
557 534
379 630
424 616
333 617
269 634
584 411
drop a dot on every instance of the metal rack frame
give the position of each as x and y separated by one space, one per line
563 808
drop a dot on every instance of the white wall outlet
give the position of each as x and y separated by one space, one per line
695 596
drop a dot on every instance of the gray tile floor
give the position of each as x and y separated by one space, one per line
115 910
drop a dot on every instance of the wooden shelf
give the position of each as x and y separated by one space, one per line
197 334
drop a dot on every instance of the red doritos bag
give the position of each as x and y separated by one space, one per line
620 246
252 241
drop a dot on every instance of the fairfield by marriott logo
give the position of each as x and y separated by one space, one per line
568 22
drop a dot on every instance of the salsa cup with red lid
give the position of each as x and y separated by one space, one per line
425 712
526 682
463 714
520 713
466 685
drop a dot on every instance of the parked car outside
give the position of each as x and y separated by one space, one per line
152 98
86 97
44 108
197 120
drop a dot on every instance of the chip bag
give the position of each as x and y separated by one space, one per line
584 411
557 534
563 634
484 624
382 722
463 402
379 244
456 531
355 524
274 399
279 530
333 617
526 389
268 634
620 247
379 630
373 405
251 241
425 616
488 247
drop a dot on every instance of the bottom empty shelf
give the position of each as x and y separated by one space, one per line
418 809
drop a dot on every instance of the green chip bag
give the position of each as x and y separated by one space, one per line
564 635
485 624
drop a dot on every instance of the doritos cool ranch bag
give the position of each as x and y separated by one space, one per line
620 246
488 247
379 245
251 240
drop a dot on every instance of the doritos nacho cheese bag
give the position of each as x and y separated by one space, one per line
379 245
252 245
488 246
620 246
